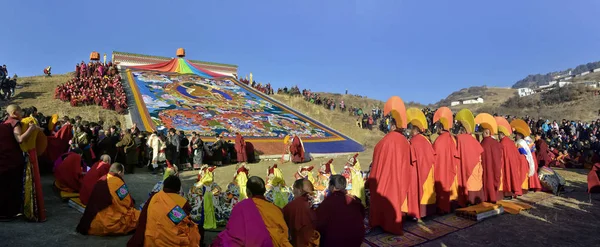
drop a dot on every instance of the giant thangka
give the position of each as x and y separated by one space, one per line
181 95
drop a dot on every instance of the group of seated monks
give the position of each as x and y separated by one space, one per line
106 91
95 69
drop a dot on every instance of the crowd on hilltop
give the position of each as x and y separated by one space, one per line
94 84
7 84
264 88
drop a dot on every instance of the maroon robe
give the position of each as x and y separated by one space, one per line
58 143
240 148
11 170
512 180
446 164
97 171
423 159
542 151
340 220
297 150
492 162
69 173
301 220
469 152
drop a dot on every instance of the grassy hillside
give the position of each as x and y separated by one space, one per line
492 96
38 91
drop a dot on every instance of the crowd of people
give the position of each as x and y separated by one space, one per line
7 84
264 88
95 84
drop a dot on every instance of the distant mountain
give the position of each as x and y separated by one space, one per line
539 79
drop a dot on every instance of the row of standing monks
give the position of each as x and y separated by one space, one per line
418 178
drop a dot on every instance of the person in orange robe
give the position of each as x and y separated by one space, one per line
240 148
165 219
446 167
512 179
110 209
297 150
389 181
254 221
471 169
69 174
301 219
97 171
340 218
492 166
423 159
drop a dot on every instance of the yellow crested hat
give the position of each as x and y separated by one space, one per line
503 126
416 117
444 116
487 121
521 126
395 106
466 118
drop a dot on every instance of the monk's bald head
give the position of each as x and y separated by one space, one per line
117 168
105 158
303 186
255 186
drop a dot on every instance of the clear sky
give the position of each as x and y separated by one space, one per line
418 50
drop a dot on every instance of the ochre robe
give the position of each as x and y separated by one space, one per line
340 220
69 174
254 222
97 171
110 210
423 159
388 192
446 171
297 150
165 221
301 219
492 168
240 148
471 170
512 179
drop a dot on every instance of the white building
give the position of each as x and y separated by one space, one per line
471 100
584 73
453 103
596 70
525 91
591 84
552 83
563 83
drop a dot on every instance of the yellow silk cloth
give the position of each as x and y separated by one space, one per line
120 217
161 230
241 179
358 184
479 208
273 218
280 193
514 207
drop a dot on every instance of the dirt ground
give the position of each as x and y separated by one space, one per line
559 221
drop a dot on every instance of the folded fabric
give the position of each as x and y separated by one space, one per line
479 208
76 204
514 207
66 195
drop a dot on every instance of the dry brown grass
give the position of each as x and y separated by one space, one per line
492 97
38 91
337 120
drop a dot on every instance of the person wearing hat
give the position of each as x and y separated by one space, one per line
446 164
511 180
522 132
491 159
469 153
390 178
424 162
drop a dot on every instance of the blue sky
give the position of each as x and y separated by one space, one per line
418 50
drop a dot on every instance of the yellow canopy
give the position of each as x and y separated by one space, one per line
466 118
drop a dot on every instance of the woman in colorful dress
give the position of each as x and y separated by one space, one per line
277 192
205 199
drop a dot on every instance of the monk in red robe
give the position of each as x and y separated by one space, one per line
512 178
390 180
69 174
301 219
446 169
340 218
58 143
492 166
423 159
471 169
542 151
297 150
240 148
97 171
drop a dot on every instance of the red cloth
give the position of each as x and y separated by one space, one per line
97 171
11 170
513 180
492 162
340 220
101 200
446 163
593 180
542 153
58 143
68 173
423 159
301 220
240 148
469 153
534 181
389 182
297 150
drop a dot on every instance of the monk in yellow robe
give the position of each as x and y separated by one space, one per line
254 221
165 220
110 209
